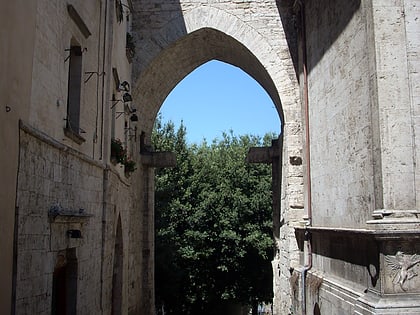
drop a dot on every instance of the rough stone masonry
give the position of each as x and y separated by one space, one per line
78 231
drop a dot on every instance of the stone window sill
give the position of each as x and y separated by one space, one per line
69 133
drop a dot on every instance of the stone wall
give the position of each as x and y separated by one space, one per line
362 140
340 114
72 206
412 25
61 190
362 71
16 55
53 182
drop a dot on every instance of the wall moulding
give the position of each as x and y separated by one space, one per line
391 216
34 132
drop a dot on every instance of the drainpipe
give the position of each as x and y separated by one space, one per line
307 242
103 19
104 63
98 65
307 266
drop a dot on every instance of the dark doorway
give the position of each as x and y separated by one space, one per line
64 291
117 272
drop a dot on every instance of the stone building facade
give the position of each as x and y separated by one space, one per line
67 206
78 232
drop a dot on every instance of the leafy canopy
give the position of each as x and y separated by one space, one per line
213 224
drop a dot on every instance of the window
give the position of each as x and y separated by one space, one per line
74 94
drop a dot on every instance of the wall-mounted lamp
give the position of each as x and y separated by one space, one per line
132 111
134 118
127 97
129 111
124 86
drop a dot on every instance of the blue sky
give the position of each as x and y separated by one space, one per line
218 97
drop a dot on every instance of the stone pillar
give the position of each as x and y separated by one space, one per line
273 155
396 218
150 160
393 132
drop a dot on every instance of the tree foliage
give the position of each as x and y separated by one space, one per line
213 224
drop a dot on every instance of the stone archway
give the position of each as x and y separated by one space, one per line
178 60
180 39
166 54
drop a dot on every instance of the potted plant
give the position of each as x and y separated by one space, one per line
118 153
129 166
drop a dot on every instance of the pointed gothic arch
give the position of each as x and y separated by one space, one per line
186 55
203 34
168 53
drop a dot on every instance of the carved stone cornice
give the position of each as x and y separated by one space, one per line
392 216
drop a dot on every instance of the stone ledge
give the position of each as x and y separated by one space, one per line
158 159
56 144
74 136
397 232
391 219
58 214
389 304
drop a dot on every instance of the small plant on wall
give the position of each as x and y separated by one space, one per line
129 166
119 155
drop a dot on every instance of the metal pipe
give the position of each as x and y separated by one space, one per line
105 17
98 65
306 107
105 183
307 243
307 266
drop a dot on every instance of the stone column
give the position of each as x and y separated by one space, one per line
150 160
396 218
273 155
392 121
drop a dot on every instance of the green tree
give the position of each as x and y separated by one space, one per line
213 224
171 204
